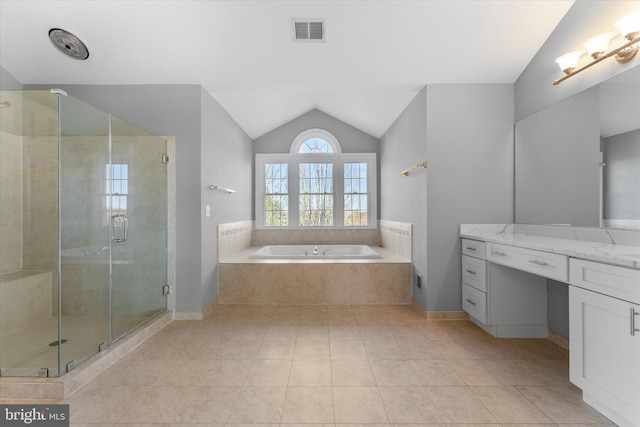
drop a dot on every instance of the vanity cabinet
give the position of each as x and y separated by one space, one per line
505 302
604 322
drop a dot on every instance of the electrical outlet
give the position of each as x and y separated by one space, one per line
419 282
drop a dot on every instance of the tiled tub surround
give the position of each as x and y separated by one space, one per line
616 247
234 237
386 280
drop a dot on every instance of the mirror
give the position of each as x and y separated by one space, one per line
577 162
620 138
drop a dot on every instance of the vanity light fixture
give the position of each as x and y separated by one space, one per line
596 47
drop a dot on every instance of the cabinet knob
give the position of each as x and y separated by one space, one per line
470 248
470 272
470 302
634 313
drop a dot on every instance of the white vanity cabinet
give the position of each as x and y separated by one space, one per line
604 322
505 302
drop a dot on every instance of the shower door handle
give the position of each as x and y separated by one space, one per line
117 218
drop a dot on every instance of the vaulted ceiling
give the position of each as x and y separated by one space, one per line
376 57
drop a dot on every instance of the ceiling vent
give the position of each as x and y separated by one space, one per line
309 30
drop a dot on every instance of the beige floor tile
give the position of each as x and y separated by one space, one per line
409 405
204 405
507 405
258 405
562 404
523 372
230 373
383 350
394 373
479 372
347 350
343 333
155 404
308 405
358 405
459 405
101 404
311 373
237 350
471 349
352 373
281 332
421 349
378 332
436 372
314 333
312 350
269 373
409 332
276 349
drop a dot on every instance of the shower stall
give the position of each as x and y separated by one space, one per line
83 231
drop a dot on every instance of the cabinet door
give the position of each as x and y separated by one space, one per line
605 356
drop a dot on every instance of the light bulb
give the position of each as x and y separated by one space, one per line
597 45
568 61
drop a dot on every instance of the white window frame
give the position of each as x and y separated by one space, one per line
293 159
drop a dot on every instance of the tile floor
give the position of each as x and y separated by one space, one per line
333 365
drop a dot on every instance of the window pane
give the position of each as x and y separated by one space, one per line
356 194
315 145
276 201
316 210
316 178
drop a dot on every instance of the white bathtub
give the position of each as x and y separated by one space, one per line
315 251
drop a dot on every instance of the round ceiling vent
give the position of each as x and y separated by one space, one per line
68 44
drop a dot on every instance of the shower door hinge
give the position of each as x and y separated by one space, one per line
72 365
43 373
166 290
165 159
103 346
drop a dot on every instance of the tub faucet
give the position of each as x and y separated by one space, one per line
315 250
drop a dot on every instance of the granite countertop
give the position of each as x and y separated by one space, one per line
616 247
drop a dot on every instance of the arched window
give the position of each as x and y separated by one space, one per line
316 185
315 141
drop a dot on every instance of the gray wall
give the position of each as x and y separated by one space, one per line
352 140
470 176
557 163
403 198
465 133
227 156
534 90
171 110
7 81
622 173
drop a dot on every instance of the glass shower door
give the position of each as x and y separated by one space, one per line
138 204
84 231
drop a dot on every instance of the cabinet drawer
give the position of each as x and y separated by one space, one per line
553 266
474 272
473 248
618 282
474 302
